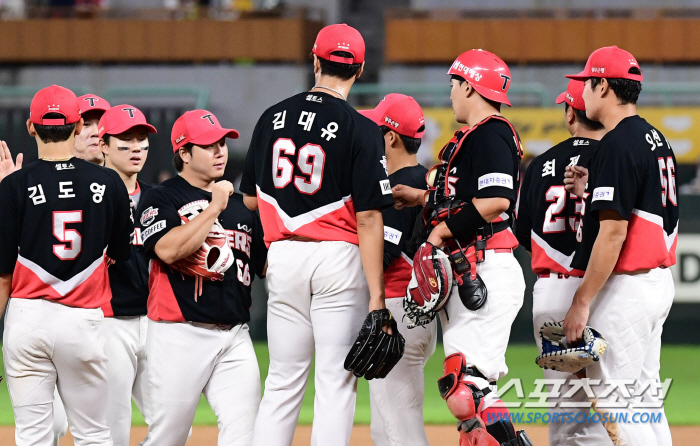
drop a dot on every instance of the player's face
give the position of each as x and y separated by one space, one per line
209 162
592 100
458 96
87 142
126 152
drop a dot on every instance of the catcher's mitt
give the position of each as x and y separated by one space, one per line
557 355
375 352
430 285
211 260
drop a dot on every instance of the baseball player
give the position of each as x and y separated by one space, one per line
397 400
66 217
314 168
123 133
547 221
471 206
627 237
205 247
87 143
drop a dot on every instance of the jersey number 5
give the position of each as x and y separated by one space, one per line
69 236
310 161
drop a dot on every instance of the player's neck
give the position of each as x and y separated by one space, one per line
197 181
128 179
398 159
616 113
55 150
333 86
480 111
582 132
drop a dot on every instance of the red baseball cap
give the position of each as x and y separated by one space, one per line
609 62
573 95
54 99
340 38
92 102
199 127
121 118
486 72
400 113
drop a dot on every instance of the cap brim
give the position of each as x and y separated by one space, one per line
121 129
374 115
561 98
213 136
578 77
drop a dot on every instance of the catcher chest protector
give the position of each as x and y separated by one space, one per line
464 400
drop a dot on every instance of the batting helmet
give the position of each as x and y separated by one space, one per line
484 71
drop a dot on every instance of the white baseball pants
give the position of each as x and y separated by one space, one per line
482 335
60 419
318 298
194 358
125 348
48 345
552 297
629 311
397 400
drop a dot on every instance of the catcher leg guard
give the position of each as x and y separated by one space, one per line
505 435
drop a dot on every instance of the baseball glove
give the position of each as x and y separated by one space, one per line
558 355
430 285
375 352
211 260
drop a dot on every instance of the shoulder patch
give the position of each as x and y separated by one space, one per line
603 194
496 179
386 187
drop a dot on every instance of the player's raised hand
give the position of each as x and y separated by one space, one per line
219 195
406 196
6 164
575 180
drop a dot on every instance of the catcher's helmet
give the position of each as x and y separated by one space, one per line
486 72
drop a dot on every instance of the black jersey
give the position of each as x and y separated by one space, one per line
485 163
547 215
59 219
129 279
398 227
633 173
174 296
313 162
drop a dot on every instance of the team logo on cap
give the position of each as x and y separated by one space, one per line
344 46
130 111
91 101
180 138
472 73
54 107
569 98
600 70
391 122
211 121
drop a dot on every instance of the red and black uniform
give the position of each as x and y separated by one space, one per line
398 228
481 162
59 220
633 173
548 216
314 162
172 295
129 279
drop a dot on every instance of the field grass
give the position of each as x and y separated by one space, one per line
681 363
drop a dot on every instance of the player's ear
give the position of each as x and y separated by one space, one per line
604 86
317 65
359 72
570 115
79 127
103 146
30 128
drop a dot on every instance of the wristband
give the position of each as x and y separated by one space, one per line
464 224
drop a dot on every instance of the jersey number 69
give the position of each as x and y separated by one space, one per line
310 161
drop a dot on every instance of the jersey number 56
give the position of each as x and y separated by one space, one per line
310 160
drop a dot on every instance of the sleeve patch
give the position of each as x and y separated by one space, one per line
391 235
159 226
386 187
148 216
496 179
603 194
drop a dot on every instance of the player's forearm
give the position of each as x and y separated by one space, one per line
182 241
250 201
5 289
604 256
491 208
370 232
